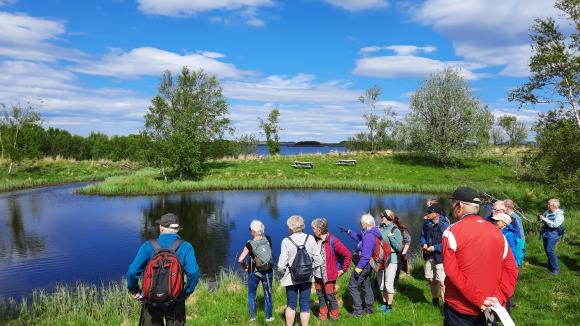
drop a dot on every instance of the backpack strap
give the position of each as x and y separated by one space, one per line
175 245
155 245
305 240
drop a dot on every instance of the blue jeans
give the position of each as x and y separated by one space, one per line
549 246
253 282
299 291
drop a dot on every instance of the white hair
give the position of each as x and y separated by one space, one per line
555 202
321 224
500 203
367 220
257 227
295 223
168 230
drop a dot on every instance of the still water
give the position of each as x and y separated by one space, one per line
52 235
299 150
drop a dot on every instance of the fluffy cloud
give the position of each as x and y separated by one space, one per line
66 105
400 49
27 37
296 89
493 32
357 5
148 61
405 66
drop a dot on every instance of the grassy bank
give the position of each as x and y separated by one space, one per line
380 172
46 172
541 300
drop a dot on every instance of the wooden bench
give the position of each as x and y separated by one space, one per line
346 162
302 165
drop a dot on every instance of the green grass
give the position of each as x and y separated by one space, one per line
541 300
46 172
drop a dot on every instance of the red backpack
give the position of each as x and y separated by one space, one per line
381 255
163 276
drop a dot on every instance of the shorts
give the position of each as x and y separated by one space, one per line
386 278
434 271
299 292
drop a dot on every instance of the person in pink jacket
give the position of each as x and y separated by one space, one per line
336 260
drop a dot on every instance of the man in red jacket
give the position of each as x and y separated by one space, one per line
480 268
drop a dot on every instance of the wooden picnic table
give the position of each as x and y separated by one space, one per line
302 165
346 162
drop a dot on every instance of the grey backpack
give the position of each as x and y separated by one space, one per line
263 259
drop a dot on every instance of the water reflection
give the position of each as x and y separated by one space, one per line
204 224
19 243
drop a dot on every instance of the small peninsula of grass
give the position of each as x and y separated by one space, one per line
47 172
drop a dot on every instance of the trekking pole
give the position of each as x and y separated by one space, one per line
141 321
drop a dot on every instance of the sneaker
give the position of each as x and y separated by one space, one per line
387 310
269 320
252 320
435 302
383 308
555 272
356 314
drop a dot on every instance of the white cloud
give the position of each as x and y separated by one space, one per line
403 50
296 89
528 117
148 61
357 5
189 7
409 67
27 37
493 32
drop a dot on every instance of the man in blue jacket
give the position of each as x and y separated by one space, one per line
175 315
430 241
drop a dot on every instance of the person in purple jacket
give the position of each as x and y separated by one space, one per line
361 276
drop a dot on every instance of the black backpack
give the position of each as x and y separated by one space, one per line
301 268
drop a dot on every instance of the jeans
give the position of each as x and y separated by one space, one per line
299 292
549 247
253 282
174 316
326 298
357 280
454 318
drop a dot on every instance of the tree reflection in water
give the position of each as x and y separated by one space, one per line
204 224
18 243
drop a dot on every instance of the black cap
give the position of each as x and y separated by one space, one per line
169 220
466 194
434 208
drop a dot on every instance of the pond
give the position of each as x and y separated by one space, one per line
53 235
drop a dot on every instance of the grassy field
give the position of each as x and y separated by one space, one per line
541 298
46 172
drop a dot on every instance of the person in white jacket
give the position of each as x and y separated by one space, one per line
297 290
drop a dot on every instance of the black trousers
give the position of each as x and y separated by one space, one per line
174 316
454 318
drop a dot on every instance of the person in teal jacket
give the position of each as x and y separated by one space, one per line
551 232
168 228
386 277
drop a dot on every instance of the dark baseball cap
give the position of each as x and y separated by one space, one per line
466 194
169 220
434 208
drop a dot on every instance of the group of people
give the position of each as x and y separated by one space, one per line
472 264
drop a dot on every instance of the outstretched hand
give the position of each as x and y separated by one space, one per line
343 230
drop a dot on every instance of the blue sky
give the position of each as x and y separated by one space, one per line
94 65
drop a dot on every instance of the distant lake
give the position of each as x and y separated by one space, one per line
52 235
298 150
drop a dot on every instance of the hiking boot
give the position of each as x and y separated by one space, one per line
368 311
435 302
